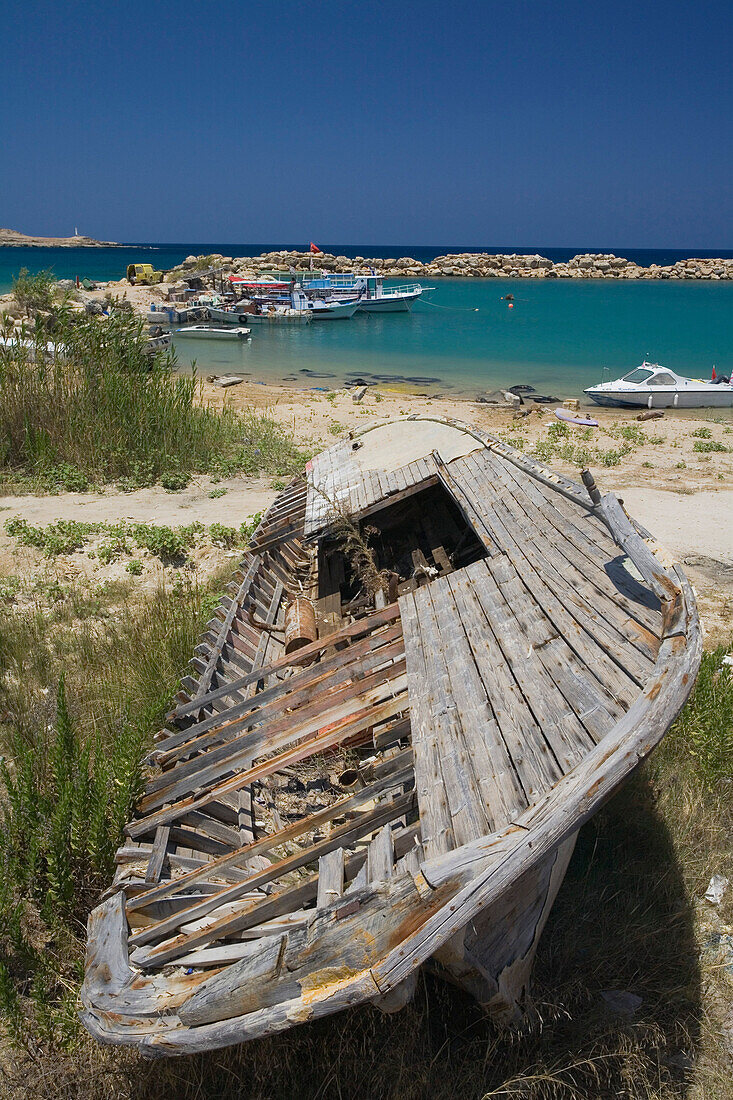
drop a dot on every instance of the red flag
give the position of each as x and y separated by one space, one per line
315 248
714 374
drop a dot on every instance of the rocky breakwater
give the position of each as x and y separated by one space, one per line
476 265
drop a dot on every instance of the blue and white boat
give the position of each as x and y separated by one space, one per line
373 295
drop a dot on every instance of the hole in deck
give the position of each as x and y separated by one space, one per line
420 537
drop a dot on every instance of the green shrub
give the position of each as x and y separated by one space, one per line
223 536
248 528
34 292
135 567
702 433
63 537
705 727
709 446
173 482
69 774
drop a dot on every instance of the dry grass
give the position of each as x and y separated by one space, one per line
628 918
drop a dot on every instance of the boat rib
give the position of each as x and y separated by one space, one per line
405 786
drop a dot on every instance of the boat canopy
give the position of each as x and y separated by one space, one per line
651 374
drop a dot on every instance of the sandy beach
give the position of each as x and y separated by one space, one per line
670 478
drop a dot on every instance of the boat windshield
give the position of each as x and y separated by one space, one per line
638 375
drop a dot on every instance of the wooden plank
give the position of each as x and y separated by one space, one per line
273 726
388 775
590 634
157 855
320 739
371 652
380 855
365 823
465 804
347 633
511 758
331 877
563 559
435 819
597 555
203 684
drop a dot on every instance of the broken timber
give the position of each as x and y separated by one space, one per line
407 786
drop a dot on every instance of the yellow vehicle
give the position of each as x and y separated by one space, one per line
143 274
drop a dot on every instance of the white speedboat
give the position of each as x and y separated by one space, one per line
207 332
652 386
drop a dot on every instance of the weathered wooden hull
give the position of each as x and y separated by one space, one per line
469 708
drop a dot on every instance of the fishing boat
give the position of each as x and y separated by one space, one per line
248 312
437 660
651 386
373 295
324 308
209 332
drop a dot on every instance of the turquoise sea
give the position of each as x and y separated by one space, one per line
462 338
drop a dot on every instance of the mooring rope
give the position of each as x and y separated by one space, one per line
455 309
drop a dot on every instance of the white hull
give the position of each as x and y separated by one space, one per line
202 332
228 317
388 305
651 386
716 397
335 312
238 317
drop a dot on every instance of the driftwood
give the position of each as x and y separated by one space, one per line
407 788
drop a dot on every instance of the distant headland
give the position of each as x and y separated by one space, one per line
10 238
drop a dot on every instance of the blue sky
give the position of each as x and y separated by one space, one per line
528 123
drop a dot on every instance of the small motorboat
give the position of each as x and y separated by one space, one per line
652 386
208 332
331 309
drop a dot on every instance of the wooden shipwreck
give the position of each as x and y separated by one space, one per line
381 763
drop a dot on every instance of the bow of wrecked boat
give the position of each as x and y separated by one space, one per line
436 661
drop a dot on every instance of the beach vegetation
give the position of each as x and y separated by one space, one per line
631 433
104 409
99 670
335 428
115 540
34 292
710 446
702 433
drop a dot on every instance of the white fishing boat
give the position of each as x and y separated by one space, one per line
373 295
651 386
325 309
207 332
